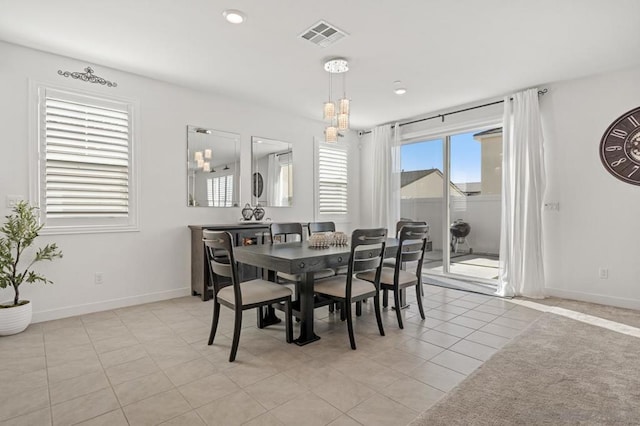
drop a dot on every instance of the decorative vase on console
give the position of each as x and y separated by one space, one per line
247 212
258 212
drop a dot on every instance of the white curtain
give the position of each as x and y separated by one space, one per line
273 181
521 267
385 202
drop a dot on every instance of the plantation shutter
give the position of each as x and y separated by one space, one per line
229 191
332 180
87 157
220 191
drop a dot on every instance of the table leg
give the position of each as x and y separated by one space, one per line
307 334
403 300
267 315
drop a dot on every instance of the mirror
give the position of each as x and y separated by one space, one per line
213 168
271 172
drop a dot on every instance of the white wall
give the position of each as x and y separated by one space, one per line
597 224
153 263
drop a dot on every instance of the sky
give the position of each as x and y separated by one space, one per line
465 157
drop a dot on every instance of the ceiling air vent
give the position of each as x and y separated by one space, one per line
323 34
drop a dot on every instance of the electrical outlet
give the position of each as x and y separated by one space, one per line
98 278
13 200
603 273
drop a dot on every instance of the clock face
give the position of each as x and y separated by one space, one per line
620 147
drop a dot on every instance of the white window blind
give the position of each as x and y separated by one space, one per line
85 160
332 180
220 191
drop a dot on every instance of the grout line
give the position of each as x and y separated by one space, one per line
579 316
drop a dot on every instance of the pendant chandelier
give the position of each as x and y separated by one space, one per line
336 113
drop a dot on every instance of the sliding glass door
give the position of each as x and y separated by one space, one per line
475 162
454 184
422 194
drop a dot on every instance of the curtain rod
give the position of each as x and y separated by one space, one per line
442 116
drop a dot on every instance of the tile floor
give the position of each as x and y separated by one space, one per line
478 265
150 364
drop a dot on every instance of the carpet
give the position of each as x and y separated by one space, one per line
557 372
625 316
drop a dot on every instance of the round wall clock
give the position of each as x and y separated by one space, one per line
620 147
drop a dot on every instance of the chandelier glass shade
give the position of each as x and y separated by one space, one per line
202 160
336 118
329 110
331 134
344 106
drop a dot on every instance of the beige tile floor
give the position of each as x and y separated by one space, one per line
150 364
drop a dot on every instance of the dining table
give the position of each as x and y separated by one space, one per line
298 258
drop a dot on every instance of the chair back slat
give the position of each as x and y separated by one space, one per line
362 265
222 266
367 254
321 227
221 269
283 232
402 223
410 256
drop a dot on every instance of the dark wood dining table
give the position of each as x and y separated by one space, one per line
298 258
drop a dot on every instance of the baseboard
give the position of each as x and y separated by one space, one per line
594 298
89 308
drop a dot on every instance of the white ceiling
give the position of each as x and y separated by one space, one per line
447 53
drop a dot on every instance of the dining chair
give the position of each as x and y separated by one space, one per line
367 252
399 225
325 227
321 227
314 227
411 248
392 262
236 295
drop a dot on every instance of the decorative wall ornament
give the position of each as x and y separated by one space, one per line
620 147
87 76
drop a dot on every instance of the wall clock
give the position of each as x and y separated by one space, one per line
620 147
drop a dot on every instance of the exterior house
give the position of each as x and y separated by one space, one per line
425 184
491 158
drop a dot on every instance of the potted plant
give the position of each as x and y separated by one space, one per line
18 234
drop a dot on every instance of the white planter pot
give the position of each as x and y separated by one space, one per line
14 320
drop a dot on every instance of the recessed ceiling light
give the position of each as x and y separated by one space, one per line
398 88
234 16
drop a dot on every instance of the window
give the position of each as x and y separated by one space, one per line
85 162
220 191
332 180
